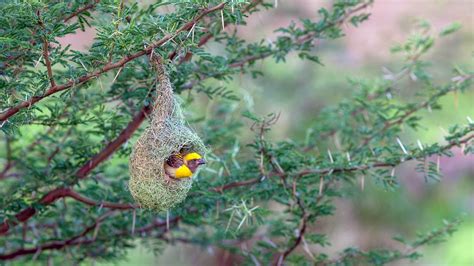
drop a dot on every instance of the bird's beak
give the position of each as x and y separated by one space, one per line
201 161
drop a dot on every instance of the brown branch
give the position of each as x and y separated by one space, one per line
115 144
80 240
252 58
27 213
80 10
388 124
46 52
236 184
56 244
51 197
110 66
333 170
305 217
299 238
209 35
48 62
108 205
126 133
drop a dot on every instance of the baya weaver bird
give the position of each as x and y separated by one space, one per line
183 165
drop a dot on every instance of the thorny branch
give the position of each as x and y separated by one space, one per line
46 52
80 10
114 145
388 124
52 197
80 239
110 66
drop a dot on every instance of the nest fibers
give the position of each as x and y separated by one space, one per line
167 133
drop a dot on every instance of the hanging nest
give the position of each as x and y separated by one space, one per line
167 134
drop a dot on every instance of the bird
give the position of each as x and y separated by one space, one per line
183 166
193 160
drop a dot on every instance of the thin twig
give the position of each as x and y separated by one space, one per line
46 52
80 10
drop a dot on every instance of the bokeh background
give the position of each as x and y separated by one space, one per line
367 218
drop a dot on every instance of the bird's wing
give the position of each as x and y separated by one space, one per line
175 161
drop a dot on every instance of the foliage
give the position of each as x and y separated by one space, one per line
67 118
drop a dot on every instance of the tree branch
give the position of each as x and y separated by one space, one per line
126 133
56 244
379 164
80 10
115 144
54 195
407 114
76 240
110 66
46 52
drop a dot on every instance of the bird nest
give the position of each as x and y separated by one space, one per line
167 134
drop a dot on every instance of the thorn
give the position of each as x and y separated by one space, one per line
37 253
100 207
420 145
330 156
321 185
437 164
167 220
39 60
100 83
306 248
96 231
191 30
222 19
469 120
401 146
80 61
151 54
373 152
118 72
348 156
362 183
134 217
392 174
280 260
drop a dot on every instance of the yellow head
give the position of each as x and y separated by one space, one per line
192 156
193 160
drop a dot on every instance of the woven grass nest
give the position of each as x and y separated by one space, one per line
167 133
